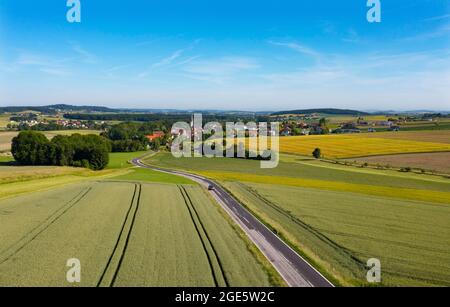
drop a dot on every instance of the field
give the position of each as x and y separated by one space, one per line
119 160
5 140
437 162
15 180
4 121
442 136
344 230
7 136
123 234
357 145
340 216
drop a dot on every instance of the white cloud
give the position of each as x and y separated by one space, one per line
55 72
437 17
220 69
169 60
298 47
85 56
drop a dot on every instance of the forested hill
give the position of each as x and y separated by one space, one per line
55 108
328 111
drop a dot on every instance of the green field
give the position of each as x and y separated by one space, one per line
344 230
16 180
340 216
145 175
124 234
119 160
182 239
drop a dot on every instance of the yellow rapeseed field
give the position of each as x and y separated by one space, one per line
383 191
355 145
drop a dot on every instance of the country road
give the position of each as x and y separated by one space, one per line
295 270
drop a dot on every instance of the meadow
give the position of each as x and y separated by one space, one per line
124 234
340 216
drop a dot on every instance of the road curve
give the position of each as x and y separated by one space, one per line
295 270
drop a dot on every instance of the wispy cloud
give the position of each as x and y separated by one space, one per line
352 37
220 69
446 16
84 55
169 60
298 48
439 32
45 64
55 72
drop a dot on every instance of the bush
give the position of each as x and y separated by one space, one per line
317 153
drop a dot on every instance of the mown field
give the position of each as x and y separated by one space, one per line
124 233
4 121
441 136
340 216
438 162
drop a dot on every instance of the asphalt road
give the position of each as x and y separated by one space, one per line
295 270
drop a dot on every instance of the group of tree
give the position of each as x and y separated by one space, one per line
33 148
130 136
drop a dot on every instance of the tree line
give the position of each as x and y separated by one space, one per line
34 148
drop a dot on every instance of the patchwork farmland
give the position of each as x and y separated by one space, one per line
340 216
124 234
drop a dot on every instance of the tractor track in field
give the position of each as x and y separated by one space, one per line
293 268
189 205
29 237
124 236
323 238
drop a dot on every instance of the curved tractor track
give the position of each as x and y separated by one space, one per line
294 269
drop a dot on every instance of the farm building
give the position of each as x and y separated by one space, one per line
155 135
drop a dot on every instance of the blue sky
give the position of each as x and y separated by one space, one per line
246 55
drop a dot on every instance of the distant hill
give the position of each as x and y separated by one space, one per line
327 111
56 108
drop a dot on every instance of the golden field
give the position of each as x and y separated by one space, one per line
331 185
357 145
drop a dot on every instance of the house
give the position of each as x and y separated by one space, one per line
383 123
394 128
155 135
315 129
349 126
286 131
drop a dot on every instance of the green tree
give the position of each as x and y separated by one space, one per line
317 153
156 144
